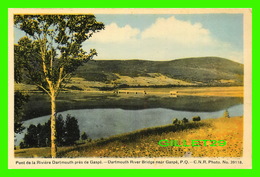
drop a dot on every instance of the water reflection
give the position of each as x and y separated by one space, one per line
36 108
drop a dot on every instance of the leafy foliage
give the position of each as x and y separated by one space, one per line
51 52
39 136
32 137
226 114
72 132
52 49
84 136
196 118
185 120
20 99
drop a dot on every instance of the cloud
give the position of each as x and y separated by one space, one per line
113 33
165 39
182 32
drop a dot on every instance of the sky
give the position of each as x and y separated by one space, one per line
167 36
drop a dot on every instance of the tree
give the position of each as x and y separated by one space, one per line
20 99
196 118
67 133
52 51
45 134
60 128
185 120
84 136
175 121
72 132
31 137
226 114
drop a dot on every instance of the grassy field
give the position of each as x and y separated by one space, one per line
189 71
235 91
144 143
112 74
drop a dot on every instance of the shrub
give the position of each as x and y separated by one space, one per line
73 87
196 118
22 146
226 114
84 136
175 121
185 120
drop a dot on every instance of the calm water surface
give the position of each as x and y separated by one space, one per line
98 123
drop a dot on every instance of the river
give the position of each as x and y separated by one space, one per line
105 122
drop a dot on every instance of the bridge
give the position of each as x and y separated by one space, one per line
131 91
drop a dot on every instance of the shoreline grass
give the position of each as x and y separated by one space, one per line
144 142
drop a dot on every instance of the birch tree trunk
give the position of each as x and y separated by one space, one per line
53 127
53 43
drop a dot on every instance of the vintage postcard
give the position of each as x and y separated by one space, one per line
130 89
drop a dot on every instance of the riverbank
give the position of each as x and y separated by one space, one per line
144 143
184 98
228 91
